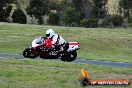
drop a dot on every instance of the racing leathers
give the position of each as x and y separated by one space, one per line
58 41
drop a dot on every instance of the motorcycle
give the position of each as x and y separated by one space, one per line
41 47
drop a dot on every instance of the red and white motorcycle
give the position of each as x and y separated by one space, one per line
41 48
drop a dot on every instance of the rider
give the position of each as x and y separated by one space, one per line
57 40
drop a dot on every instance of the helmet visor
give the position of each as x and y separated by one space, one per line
47 35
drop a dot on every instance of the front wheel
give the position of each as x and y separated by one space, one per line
69 57
29 53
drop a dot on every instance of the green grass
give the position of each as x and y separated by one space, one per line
27 73
96 43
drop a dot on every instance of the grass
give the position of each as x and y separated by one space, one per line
27 73
96 43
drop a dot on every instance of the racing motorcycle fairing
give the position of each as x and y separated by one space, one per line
73 46
42 47
37 42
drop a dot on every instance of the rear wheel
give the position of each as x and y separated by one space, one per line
29 53
69 56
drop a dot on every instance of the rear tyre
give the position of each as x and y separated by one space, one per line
29 53
69 57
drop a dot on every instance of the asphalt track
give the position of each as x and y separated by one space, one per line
106 63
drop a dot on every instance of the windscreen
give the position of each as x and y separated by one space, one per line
39 41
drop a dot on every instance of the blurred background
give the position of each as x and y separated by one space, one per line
75 13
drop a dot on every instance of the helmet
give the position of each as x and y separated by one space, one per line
50 33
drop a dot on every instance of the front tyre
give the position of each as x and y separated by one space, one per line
29 53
